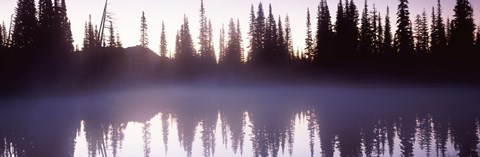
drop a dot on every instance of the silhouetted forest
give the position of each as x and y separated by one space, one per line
37 50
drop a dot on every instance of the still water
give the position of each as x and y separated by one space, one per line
260 121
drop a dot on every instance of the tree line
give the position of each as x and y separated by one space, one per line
367 35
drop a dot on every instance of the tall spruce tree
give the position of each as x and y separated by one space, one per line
404 35
380 37
387 37
324 36
340 28
2 36
421 34
233 56
65 39
119 42
163 42
288 38
366 33
46 23
26 24
222 46
351 16
463 27
282 50
252 36
477 41
111 38
309 49
270 38
186 53
143 31
207 54
438 36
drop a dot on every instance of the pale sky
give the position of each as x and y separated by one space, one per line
127 13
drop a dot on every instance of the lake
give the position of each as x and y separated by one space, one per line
298 121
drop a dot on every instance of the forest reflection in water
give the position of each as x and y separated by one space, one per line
432 124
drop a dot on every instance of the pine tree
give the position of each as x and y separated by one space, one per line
380 40
111 39
92 35
351 30
2 38
340 28
6 39
65 39
222 46
233 53
86 43
288 38
206 50
477 41
374 30
421 34
282 50
185 51
240 40
366 34
324 36
438 35
463 27
270 38
260 27
143 31
252 36
163 42
26 24
387 37
309 50
404 35
119 42
45 24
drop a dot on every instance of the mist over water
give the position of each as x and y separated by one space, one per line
246 121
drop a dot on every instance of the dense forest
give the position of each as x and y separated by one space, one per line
38 50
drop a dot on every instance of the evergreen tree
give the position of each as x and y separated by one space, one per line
240 39
233 53
26 24
46 23
143 31
366 33
340 28
438 35
449 31
351 30
324 35
288 38
163 42
380 37
463 27
421 33
282 50
309 50
260 27
374 30
270 38
185 53
477 41
404 35
92 35
387 37
63 26
2 38
119 42
251 34
222 49
111 39
206 50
